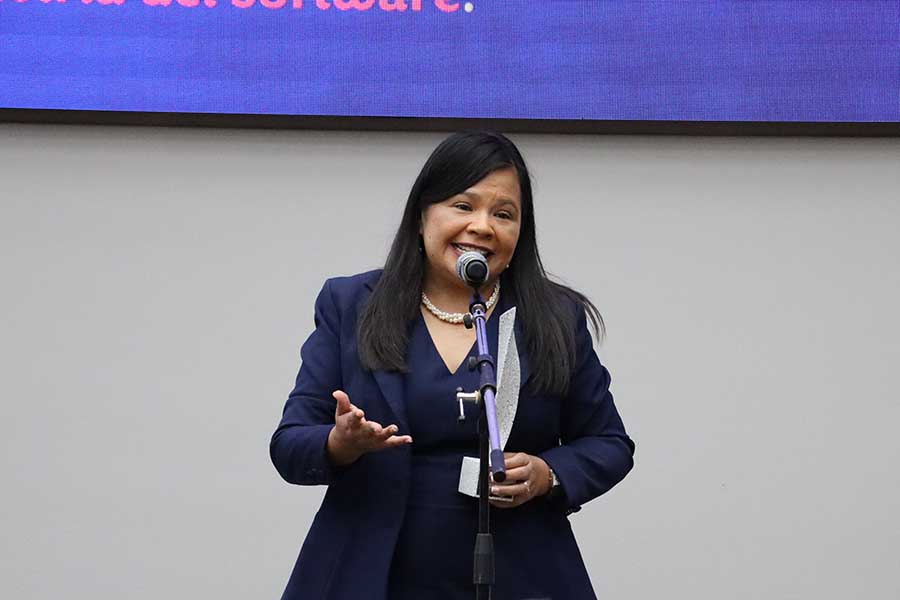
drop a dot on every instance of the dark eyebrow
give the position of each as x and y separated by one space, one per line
503 201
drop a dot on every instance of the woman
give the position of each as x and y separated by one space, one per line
373 413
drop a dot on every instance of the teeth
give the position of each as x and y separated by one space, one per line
470 249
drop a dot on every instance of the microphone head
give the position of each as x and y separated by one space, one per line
472 268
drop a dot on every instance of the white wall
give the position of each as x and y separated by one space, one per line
157 284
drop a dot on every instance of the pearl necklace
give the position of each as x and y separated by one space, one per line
456 318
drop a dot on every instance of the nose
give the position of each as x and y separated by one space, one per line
480 224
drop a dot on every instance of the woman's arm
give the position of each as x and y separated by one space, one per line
298 446
321 432
595 452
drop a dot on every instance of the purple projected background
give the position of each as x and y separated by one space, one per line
682 60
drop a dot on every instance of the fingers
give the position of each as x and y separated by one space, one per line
383 433
515 459
360 434
385 436
369 435
396 441
519 473
519 488
518 484
355 415
343 402
355 421
518 467
515 494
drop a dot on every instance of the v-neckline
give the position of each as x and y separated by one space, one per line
437 352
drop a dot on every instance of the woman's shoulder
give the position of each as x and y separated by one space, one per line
346 292
342 296
353 284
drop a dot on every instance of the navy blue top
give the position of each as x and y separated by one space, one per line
440 523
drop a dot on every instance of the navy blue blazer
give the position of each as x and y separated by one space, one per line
348 549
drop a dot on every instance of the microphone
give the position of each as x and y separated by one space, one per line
472 268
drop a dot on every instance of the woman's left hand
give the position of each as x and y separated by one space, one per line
527 477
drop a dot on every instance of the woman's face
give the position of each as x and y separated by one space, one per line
485 218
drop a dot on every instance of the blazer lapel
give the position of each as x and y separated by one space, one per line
524 368
391 385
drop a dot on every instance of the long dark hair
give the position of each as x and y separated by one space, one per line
459 162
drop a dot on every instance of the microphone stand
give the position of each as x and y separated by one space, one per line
488 445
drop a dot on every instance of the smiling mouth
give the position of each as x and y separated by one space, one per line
462 248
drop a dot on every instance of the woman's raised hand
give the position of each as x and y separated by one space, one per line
352 435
